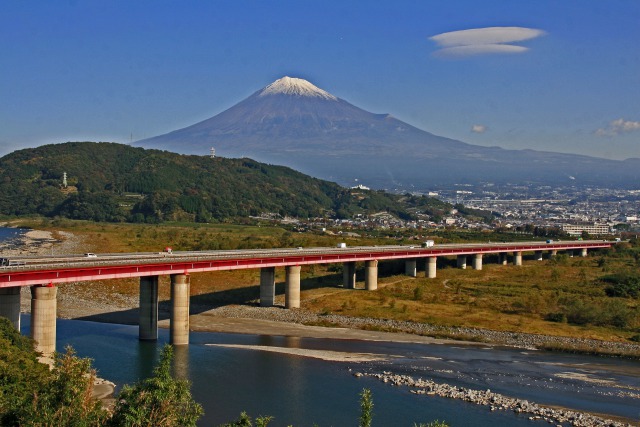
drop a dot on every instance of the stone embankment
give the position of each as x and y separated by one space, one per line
495 401
521 340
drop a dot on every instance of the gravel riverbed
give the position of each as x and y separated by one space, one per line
495 401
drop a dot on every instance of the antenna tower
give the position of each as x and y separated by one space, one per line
64 179
213 153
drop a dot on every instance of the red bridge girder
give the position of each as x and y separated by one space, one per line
99 269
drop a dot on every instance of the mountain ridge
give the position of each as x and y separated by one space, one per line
154 186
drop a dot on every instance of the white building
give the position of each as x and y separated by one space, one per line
578 229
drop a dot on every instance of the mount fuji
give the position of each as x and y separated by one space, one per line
291 122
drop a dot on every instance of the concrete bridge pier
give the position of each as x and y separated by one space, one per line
371 275
462 261
517 258
148 321
538 255
553 253
179 323
431 267
583 252
477 262
43 318
504 258
10 305
292 286
267 286
410 267
349 275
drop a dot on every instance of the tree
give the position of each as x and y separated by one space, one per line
67 398
245 421
21 375
366 408
159 401
31 394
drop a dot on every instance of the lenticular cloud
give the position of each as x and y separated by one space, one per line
481 41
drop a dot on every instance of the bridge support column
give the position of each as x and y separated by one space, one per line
462 261
349 275
504 258
571 253
553 253
583 252
477 261
431 267
371 275
43 318
267 286
538 255
148 321
517 258
292 287
179 323
10 305
410 267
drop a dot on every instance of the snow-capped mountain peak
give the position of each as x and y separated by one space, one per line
296 87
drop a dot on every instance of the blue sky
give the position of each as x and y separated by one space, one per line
548 75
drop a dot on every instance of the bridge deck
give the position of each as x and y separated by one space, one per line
72 268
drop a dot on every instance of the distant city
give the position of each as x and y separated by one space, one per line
573 210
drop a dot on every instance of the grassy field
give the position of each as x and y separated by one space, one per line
564 296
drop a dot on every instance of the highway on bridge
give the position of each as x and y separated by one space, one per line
25 271
44 272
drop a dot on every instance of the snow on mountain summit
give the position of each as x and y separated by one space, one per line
296 87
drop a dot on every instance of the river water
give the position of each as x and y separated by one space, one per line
10 236
303 391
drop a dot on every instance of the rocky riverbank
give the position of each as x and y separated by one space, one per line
495 401
514 339
39 242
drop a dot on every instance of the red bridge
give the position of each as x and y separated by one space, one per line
42 273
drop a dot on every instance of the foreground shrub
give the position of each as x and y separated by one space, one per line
31 394
614 313
159 401
624 284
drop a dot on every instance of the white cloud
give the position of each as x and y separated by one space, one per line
482 41
478 128
481 49
616 127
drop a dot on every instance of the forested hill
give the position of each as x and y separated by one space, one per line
116 182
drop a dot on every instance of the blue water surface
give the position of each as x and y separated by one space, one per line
302 391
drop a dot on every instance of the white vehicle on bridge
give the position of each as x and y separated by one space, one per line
7 262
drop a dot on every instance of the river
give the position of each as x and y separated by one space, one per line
302 391
10 236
